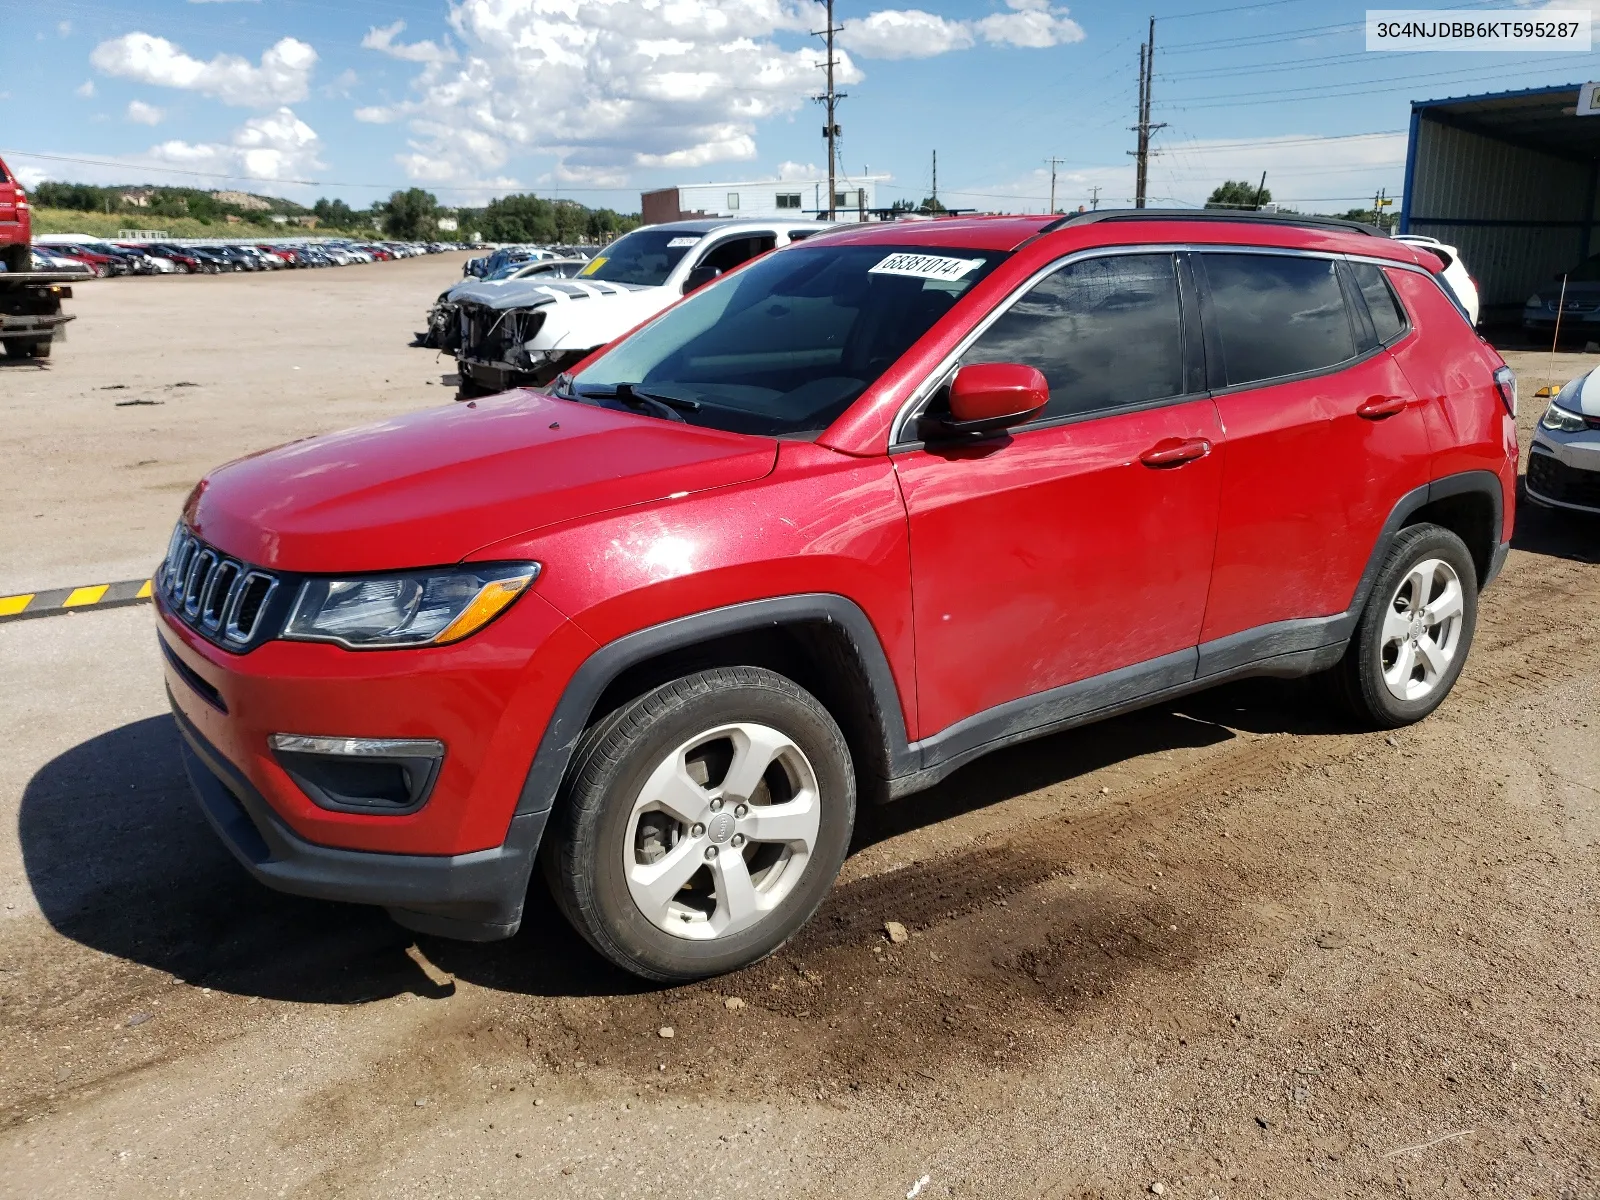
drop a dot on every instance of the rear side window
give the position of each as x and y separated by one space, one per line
1106 333
1277 315
1388 320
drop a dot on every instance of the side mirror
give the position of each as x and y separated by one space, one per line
699 277
986 398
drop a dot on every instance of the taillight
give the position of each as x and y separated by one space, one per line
1505 382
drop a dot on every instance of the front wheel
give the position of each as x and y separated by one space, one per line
703 824
1412 642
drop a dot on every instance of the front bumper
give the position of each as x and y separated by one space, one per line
1564 470
476 897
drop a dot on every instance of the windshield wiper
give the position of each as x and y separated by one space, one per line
636 397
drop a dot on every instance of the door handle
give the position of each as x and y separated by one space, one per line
1378 407
1174 452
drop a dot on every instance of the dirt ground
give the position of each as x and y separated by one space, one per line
1228 948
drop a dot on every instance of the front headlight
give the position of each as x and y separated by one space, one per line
418 608
1562 420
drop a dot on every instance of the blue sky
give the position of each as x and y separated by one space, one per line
598 99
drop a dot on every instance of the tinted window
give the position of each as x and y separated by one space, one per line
784 346
1106 332
730 254
1387 318
1277 315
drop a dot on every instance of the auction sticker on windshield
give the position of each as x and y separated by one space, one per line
926 266
678 243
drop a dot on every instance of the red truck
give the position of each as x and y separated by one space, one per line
30 301
860 511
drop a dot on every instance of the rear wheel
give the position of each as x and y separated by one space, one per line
703 824
1412 642
17 258
18 348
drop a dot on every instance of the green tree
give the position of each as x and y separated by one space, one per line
931 204
411 215
338 214
1239 193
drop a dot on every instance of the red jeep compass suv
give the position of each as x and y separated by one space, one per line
857 513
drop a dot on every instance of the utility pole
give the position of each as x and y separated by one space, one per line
1147 69
1262 190
830 99
934 207
1094 198
1054 162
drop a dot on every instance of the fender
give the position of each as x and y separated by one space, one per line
577 702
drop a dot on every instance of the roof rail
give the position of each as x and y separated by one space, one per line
1211 214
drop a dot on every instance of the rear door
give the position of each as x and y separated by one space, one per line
1324 435
1078 544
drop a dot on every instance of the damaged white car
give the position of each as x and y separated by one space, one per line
528 331
444 325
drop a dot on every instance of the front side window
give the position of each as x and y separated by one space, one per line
790 342
644 257
1387 317
729 254
1106 333
1277 315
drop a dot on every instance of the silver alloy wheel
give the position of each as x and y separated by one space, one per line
721 831
1421 630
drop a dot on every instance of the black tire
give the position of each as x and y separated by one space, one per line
583 853
17 258
18 348
39 350
1359 678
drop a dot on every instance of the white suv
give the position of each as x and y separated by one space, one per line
529 332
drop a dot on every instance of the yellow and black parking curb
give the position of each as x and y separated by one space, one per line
57 601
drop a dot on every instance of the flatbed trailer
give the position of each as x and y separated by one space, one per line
31 316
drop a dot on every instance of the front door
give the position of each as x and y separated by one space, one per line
1081 543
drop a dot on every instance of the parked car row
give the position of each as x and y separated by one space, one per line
103 259
486 266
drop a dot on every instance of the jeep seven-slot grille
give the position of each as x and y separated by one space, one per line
219 597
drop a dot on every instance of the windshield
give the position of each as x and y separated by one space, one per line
645 257
788 343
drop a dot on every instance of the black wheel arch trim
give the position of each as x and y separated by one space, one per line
600 669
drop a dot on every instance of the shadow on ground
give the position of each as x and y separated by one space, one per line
1556 532
121 860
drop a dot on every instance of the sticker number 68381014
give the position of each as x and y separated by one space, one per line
926 266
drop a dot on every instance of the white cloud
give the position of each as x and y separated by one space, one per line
85 89
64 28
141 113
606 87
282 76
913 33
905 33
277 146
382 40
1032 24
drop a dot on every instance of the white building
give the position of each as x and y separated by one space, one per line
761 198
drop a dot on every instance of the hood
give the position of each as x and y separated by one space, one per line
535 292
1582 395
429 487
1586 291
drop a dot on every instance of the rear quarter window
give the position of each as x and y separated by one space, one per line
1276 315
1383 306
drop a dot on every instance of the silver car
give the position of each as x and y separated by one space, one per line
1564 461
